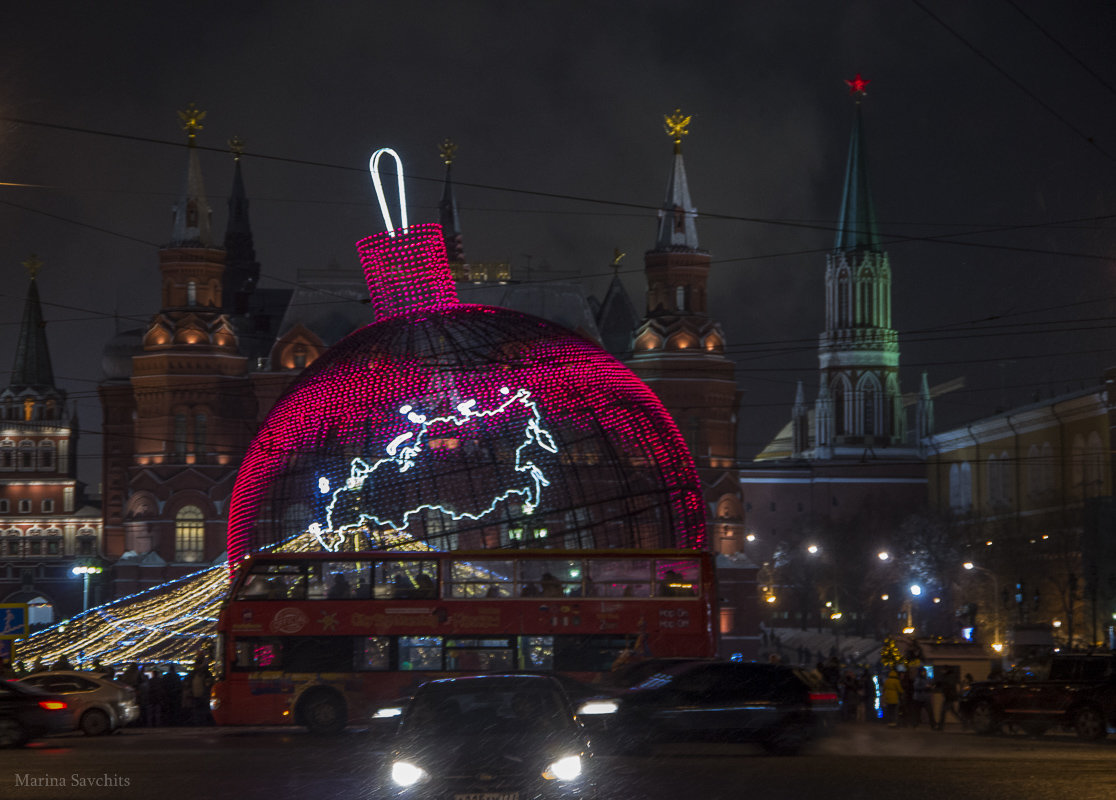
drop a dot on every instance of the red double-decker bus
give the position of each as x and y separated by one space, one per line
324 639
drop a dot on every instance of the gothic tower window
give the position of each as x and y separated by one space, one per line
680 298
199 433
191 293
189 534
839 409
869 411
843 314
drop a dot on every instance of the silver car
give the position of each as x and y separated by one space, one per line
97 706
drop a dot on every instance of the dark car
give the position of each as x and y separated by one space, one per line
776 706
498 737
1072 691
27 713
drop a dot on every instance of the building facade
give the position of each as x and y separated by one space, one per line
47 526
1029 493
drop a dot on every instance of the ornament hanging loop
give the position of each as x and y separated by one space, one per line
374 168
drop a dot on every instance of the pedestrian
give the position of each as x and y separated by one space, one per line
850 696
155 700
920 698
949 700
195 694
172 696
63 663
143 699
937 703
892 695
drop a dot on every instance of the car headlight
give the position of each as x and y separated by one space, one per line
388 712
404 773
598 707
564 769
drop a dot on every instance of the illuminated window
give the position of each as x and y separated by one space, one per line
189 534
191 293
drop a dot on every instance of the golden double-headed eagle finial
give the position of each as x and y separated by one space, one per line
236 145
617 257
191 119
33 264
446 150
676 126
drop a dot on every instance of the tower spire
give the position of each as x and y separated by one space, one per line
32 368
242 271
447 207
677 230
856 227
190 225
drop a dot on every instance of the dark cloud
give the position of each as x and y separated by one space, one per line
567 98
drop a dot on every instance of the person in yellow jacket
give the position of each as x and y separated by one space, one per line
892 694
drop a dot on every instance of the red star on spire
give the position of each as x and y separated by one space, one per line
858 85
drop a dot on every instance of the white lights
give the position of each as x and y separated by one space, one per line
812 549
404 773
347 511
86 570
883 555
564 769
388 713
916 590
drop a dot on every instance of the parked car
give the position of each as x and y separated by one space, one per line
97 706
27 713
776 706
1071 691
491 736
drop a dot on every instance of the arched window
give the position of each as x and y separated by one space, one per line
199 433
992 480
1034 472
189 534
1094 466
179 435
839 409
191 293
7 454
1047 483
46 456
26 455
1007 479
680 298
1077 465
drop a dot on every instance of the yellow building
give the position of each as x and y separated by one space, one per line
1029 491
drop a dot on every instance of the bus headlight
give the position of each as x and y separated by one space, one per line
404 773
564 769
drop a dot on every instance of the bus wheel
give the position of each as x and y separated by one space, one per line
322 712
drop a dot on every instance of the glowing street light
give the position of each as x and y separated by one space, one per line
813 549
86 570
883 555
916 590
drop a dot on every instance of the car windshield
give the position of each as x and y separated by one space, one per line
454 710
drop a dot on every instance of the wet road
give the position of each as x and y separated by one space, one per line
859 761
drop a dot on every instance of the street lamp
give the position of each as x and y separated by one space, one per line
969 565
85 571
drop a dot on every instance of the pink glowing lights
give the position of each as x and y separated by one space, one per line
463 426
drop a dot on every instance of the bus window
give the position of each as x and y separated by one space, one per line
258 654
480 578
550 578
274 582
536 653
480 655
420 652
373 653
347 580
620 577
677 578
318 654
407 580
588 653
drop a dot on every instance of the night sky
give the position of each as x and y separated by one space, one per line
991 135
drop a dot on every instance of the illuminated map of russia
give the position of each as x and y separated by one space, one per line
472 447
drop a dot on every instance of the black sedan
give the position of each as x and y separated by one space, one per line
491 737
27 713
776 706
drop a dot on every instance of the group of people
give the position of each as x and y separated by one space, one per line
912 695
163 696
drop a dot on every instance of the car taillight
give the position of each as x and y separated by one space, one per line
823 697
52 705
